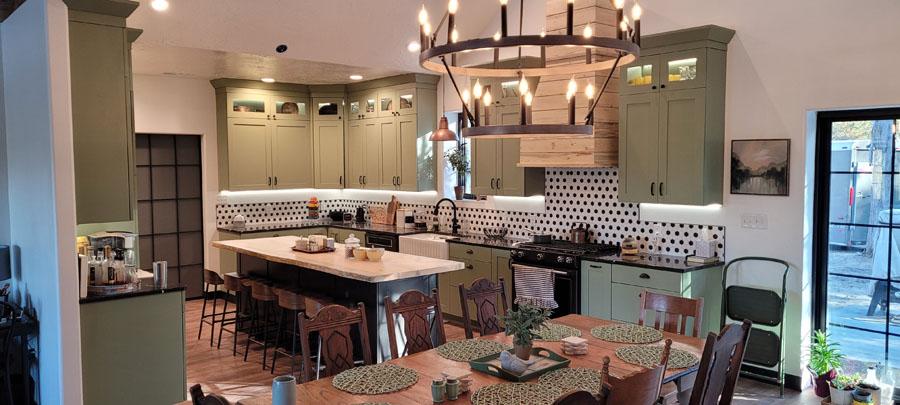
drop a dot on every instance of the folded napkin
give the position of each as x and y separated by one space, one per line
534 286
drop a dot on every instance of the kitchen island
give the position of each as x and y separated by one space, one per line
345 280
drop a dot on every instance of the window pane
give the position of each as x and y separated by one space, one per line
861 146
858 198
850 303
861 348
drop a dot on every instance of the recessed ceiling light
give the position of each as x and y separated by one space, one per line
160 5
268 80
355 77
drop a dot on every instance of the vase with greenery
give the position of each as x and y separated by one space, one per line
521 324
459 161
824 360
842 386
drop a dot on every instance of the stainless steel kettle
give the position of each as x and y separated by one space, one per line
578 233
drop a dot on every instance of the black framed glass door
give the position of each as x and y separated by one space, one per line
856 253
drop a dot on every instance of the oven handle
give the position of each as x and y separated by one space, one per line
511 267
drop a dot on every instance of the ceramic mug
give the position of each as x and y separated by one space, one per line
284 390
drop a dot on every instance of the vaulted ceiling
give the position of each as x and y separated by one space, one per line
327 40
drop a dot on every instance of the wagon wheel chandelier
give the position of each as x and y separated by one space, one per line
624 48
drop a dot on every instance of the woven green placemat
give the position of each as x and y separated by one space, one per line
515 394
627 333
375 379
471 349
649 356
569 379
552 332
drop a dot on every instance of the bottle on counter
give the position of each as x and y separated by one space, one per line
93 265
131 275
107 272
119 266
350 243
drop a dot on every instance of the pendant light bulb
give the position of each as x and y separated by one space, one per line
454 36
636 12
523 86
589 91
487 99
588 31
453 6
423 16
573 86
476 90
618 4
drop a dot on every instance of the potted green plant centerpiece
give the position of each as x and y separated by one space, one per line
521 323
841 388
459 161
824 361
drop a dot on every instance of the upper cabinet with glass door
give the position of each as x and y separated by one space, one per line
362 105
387 102
247 105
266 105
328 108
641 76
406 100
667 71
285 107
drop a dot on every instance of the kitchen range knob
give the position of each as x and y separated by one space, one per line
540 256
560 259
570 260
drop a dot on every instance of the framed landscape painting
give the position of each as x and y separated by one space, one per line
760 166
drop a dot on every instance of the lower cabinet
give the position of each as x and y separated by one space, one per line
480 262
613 291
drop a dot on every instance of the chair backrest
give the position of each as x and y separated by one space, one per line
415 308
579 398
669 310
484 293
333 323
720 365
641 388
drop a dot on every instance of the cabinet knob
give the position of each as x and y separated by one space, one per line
470 267
653 87
644 276
662 86
469 251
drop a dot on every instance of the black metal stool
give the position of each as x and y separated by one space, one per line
261 292
294 303
210 279
234 286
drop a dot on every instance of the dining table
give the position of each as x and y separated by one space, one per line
430 365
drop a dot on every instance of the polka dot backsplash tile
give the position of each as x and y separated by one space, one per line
572 196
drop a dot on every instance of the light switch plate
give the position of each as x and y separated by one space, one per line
754 221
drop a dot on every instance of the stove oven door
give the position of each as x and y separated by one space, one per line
566 290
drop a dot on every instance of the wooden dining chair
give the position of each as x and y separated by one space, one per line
720 365
580 398
641 388
333 324
672 312
484 293
415 308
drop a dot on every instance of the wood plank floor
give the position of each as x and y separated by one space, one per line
218 371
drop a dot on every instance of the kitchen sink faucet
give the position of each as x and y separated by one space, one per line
455 222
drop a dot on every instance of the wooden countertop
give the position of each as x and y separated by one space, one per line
393 266
429 365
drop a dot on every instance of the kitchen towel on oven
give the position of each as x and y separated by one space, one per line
534 286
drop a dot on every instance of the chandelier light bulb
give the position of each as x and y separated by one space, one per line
528 99
454 36
619 4
160 5
414 46
588 31
623 26
487 98
423 16
523 86
571 1
466 96
426 28
543 32
636 12
476 90
503 2
497 36
589 91
453 6
573 86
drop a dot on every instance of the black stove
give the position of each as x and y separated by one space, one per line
560 253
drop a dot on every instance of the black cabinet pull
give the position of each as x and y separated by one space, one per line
398 181
359 180
469 251
470 267
644 276
498 183
594 266
661 188
270 181
653 87
492 183
662 86
364 180
653 184
341 179
276 180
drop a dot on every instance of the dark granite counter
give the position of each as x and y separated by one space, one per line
657 262
146 288
481 240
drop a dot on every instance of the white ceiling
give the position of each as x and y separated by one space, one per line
327 40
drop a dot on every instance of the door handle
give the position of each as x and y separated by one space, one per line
359 180
365 180
651 188
276 180
469 251
341 179
492 183
498 183
270 181
644 276
661 188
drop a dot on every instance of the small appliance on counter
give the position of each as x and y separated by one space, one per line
336 215
705 249
312 208
361 214
406 218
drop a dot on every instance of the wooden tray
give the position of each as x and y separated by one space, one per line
326 250
548 361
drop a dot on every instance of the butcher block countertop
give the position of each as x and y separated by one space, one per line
393 266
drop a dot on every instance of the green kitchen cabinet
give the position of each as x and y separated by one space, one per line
672 118
341 234
361 105
328 140
503 270
390 152
312 231
596 289
480 262
249 151
102 111
356 152
495 163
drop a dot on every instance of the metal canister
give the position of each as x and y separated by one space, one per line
161 274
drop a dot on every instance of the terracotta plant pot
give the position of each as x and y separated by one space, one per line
820 382
523 351
459 191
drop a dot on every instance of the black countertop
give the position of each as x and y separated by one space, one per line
481 240
366 227
146 288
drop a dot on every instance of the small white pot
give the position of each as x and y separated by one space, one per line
840 397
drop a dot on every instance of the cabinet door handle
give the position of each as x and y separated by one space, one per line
270 181
594 266
653 87
498 183
470 267
469 251
644 276
359 180
652 185
276 180
341 179
661 188
365 180
662 86
492 183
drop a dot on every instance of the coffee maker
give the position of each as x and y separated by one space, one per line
117 240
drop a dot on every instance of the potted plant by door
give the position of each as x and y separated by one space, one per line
521 323
824 361
459 161
841 388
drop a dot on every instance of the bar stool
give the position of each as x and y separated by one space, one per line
210 279
260 293
294 303
233 286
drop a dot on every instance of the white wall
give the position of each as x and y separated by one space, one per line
183 106
789 58
35 48
4 196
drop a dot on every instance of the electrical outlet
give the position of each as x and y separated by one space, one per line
754 221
